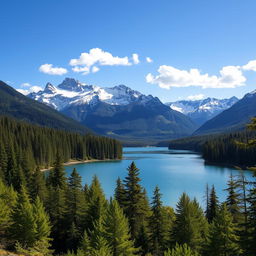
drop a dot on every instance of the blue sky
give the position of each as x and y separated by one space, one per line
177 35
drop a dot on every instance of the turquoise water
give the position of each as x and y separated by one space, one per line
174 171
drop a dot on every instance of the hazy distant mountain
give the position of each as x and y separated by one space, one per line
233 119
201 111
15 104
117 111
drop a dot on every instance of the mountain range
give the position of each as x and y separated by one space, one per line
232 119
16 105
203 110
116 111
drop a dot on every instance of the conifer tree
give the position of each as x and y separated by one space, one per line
38 185
213 205
233 200
43 227
190 225
97 203
23 228
159 233
8 199
222 237
58 177
134 197
75 209
56 208
99 245
120 193
181 250
117 231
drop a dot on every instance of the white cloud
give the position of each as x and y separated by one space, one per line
196 97
50 70
251 65
83 70
149 60
90 61
135 58
230 77
32 88
100 57
95 69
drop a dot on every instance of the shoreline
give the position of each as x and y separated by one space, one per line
73 162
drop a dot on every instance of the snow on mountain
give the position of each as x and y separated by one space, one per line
202 110
73 92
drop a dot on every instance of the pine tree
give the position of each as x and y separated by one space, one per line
117 231
97 203
75 209
134 197
222 237
120 193
159 233
190 226
233 200
99 245
58 178
43 227
56 209
181 250
8 199
23 228
213 205
38 185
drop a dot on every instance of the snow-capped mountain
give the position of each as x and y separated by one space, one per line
117 111
201 111
234 118
72 92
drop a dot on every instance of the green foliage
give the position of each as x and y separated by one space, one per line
181 250
23 147
159 230
76 207
190 226
97 203
117 231
8 199
213 205
134 203
23 228
222 237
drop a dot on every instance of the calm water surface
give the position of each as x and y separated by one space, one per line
174 171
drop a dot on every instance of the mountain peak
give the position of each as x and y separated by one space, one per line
49 88
70 84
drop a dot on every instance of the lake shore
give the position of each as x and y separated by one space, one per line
73 162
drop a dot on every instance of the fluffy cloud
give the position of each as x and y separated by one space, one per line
230 77
30 88
83 70
90 61
196 97
95 69
149 60
251 65
50 70
98 56
135 58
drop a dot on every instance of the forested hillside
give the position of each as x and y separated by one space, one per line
24 146
15 104
235 148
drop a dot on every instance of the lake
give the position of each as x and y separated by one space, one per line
174 171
